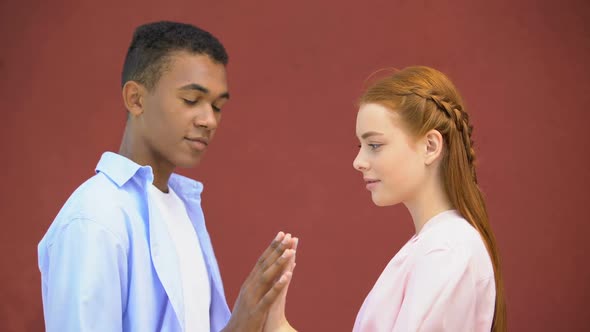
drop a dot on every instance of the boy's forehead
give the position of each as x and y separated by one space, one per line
185 68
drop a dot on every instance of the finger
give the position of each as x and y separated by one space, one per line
294 243
276 242
273 294
273 245
276 254
277 309
290 269
293 246
286 288
256 282
281 265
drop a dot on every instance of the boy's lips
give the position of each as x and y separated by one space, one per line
198 143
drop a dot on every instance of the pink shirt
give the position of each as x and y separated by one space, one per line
441 280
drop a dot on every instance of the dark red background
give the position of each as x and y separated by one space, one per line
282 159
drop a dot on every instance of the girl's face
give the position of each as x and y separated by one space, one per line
392 162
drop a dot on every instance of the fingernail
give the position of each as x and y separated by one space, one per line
286 238
279 236
296 240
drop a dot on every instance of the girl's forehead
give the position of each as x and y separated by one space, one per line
376 117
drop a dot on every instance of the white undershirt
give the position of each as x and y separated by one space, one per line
196 290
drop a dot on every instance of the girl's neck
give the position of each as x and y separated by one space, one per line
430 201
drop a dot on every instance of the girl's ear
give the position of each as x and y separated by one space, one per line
433 143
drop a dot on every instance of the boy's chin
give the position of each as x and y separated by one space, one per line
189 161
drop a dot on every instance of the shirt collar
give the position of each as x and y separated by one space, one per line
448 214
121 169
185 187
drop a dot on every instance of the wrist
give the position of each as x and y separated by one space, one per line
288 328
285 326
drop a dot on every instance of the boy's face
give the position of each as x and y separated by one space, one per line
180 115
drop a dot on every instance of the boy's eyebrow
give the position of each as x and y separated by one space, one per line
194 86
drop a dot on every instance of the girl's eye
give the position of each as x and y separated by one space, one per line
372 146
190 102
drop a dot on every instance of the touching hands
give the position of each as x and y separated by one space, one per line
265 286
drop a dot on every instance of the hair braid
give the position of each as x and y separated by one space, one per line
458 117
426 99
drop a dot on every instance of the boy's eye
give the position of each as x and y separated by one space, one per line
190 102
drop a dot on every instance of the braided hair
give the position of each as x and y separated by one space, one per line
427 100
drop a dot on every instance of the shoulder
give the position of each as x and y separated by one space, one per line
97 205
452 240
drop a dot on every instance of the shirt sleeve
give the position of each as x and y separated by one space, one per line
85 280
440 294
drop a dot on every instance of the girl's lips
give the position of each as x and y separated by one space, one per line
371 183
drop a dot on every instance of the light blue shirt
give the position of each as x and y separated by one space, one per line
107 262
